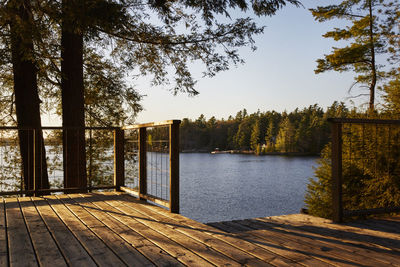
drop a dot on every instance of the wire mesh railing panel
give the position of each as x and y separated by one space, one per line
131 159
157 147
51 159
53 143
99 157
34 160
370 166
11 172
151 162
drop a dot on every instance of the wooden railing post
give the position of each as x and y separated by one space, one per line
337 206
142 162
119 163
174 167
34 163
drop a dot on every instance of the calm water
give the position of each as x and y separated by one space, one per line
227 187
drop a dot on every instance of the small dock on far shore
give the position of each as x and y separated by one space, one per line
116 229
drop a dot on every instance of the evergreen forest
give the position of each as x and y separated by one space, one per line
301 132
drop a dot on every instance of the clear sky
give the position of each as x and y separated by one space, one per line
278 76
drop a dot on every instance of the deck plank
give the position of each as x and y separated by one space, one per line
203 250
115 229
74 253
128 254
219 240
3 236
315 248
275 245
348 231
45 247
365 250
130 219
154 253
96 248
19 240
242 256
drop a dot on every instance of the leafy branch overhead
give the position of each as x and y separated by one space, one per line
159 38
147 37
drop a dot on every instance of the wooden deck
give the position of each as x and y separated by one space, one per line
114 229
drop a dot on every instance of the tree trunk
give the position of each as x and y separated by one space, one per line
373 62
27 101
72 92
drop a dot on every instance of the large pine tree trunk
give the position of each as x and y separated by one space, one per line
27 98
72 91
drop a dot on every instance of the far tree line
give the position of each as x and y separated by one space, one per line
304 131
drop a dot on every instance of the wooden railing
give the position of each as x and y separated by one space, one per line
119 159
35 175
363 142
147 166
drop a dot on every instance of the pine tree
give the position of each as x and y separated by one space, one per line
255 136
72 94
392 87
35 45
366 37
286 136
18 16
391 27
243 134
392 97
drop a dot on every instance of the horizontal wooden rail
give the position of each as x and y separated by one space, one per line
152 124
154 199
58 128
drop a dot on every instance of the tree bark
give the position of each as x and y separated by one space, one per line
27 101
373 62
72 92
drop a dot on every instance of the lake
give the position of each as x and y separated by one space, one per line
220 187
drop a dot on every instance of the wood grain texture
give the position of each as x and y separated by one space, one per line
114 220
72 250
373 242
128 254
19 241
115 229
96 248
43 243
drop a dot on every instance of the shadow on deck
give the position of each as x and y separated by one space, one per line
114 229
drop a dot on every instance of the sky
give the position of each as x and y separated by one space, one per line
278 76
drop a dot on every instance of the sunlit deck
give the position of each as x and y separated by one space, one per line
114 229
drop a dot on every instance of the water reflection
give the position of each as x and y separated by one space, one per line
226 187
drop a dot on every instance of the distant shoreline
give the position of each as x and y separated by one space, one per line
250 152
